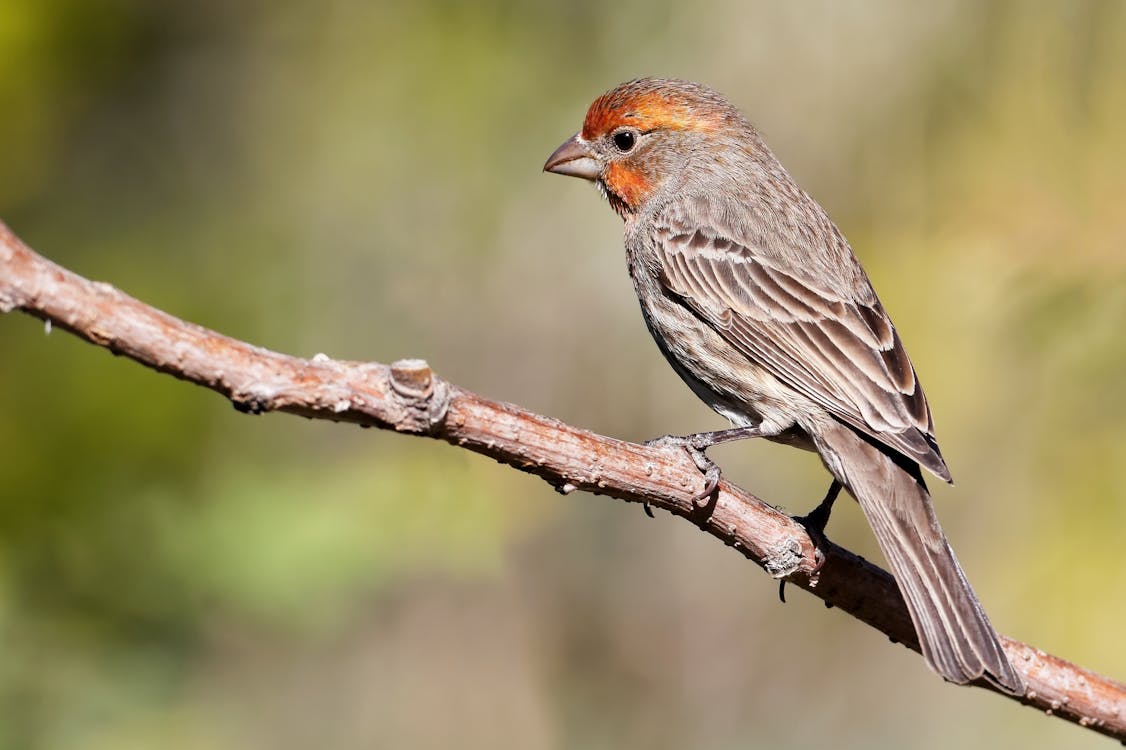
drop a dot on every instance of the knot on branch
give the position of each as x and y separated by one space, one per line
422 397
784 558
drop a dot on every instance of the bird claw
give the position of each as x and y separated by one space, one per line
711 480
694 446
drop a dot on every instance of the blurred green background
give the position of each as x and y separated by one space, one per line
363 179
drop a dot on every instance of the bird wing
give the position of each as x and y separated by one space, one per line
838 349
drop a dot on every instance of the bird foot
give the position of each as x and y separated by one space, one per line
815 522
694 446
817 519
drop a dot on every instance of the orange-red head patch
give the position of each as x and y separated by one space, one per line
650 104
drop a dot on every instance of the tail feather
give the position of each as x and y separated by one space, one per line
956 637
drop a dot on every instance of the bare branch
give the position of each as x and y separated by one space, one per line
408 397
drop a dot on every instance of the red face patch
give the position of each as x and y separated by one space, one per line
630 186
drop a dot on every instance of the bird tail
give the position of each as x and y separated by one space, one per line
956 638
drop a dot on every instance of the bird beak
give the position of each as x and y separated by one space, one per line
574 159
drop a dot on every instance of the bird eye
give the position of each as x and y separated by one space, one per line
625 140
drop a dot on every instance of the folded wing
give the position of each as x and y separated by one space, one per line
842 353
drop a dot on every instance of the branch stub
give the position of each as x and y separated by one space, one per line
423 397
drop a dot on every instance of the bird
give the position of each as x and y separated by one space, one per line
757 301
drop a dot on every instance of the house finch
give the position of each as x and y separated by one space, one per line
756 300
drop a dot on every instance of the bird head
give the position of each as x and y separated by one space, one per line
646 137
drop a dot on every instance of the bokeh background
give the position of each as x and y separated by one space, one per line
363 179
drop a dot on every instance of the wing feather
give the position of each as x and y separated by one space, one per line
843 353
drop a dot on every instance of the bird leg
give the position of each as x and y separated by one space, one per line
817 519
695 445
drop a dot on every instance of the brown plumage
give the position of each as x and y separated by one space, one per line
757 301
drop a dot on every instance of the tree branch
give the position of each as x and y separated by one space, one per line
407 397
